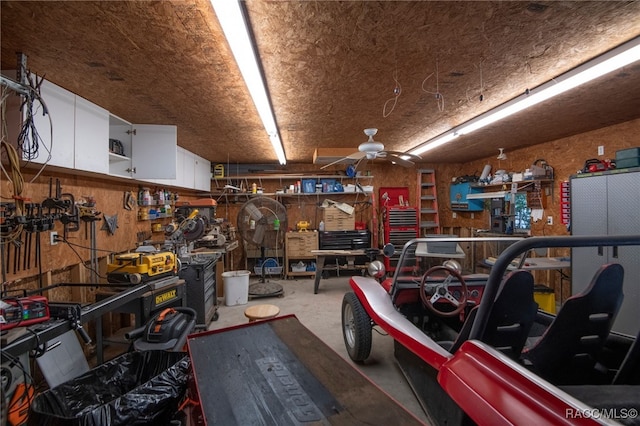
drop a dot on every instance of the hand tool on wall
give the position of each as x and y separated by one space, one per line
17 243
129 202
110 224
63 206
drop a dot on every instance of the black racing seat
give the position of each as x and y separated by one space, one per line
510 319
567 351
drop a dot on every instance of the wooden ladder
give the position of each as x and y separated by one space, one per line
428 215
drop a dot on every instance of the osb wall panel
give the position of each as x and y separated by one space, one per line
301 207
56 260
566 156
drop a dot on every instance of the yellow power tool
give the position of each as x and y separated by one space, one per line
134 268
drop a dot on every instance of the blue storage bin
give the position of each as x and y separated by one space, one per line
308 186
328 184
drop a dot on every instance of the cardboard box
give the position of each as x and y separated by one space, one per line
337 220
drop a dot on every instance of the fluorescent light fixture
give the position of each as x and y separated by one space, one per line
434 143
235 29
483 195
617 58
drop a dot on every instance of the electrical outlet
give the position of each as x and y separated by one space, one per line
549 220
455 215
472 215
53 235
600 149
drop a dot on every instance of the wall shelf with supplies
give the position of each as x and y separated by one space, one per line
291 185
503 189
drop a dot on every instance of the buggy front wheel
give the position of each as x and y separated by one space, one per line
356 328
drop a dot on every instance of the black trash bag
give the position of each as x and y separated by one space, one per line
133 389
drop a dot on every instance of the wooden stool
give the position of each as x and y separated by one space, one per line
260 312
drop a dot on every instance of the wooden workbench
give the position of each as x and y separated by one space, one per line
321 256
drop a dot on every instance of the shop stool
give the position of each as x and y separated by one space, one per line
261 312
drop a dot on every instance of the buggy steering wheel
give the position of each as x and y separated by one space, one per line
442 292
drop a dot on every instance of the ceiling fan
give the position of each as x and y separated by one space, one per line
501 155
372 149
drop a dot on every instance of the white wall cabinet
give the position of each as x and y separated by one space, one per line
149 150
77 137
79 129
60 104
202 174
188 173
91 130
192 172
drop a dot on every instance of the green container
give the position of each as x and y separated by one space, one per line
627 162
627 153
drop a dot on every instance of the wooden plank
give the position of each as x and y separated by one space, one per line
78 275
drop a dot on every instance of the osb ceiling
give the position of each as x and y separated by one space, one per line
413 69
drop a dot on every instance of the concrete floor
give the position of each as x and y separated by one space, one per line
321 313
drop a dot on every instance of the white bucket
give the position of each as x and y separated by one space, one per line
236 287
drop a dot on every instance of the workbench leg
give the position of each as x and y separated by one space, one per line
99 341
319 268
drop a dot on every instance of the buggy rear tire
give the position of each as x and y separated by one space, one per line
356 328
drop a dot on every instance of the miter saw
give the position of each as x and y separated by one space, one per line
189 229
200 226
214 237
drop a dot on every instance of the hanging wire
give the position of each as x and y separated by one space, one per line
396 94
479 66
439 96
17 180
29 141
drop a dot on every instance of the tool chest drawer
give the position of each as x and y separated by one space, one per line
201 289
300 244
345 240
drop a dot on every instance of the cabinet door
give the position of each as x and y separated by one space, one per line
154 151
91 132
61 106
188 169
588 217
202 174
120 130
623 200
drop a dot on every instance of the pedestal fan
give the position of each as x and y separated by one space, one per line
263 221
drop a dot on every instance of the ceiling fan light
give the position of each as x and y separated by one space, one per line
371 148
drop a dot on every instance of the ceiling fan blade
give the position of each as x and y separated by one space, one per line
354 156
400 161
412 157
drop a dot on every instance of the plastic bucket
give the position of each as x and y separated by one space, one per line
236 287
